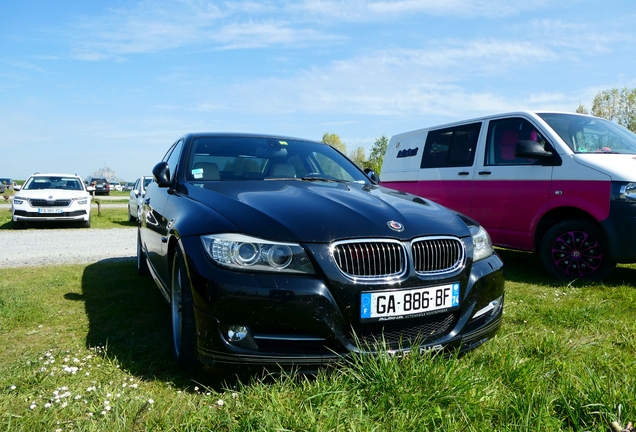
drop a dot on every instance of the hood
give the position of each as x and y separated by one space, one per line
619 167
303 211
52 194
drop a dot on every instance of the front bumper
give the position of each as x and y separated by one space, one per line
73 213
621 235
303 323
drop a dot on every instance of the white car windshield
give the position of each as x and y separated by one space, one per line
53 182
585 134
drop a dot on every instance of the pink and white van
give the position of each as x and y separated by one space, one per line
563 185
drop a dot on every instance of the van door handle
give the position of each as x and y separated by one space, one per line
484 173
463 173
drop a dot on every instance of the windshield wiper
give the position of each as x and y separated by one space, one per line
325 179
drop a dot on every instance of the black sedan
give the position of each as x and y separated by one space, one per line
280 253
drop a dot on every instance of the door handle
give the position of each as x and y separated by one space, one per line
463 173
484 173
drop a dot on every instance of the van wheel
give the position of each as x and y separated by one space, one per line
576 249
182 315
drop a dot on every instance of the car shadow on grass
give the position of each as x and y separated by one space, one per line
128 316
525 267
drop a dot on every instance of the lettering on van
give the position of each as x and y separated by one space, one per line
408 153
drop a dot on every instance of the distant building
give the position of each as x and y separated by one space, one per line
106 173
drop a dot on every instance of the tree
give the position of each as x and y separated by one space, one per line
358 156
334 141
615 105
377 154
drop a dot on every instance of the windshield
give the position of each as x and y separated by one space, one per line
584 134
261 158
53 182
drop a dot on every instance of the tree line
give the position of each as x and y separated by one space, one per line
374 161
617 105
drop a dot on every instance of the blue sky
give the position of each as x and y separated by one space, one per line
85 84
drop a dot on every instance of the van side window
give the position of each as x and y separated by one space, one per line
452 147
503 136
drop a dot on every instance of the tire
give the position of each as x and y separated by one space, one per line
86 224
182 316
576 249
142 264
131 218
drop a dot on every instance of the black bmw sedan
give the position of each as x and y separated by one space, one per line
280 253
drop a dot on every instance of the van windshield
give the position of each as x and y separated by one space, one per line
585 134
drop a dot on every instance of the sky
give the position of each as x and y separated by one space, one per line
114 83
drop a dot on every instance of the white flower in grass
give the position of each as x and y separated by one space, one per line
134 386
150 401
78 397
33 406
220 402
196 388
47 405
103 413
13 387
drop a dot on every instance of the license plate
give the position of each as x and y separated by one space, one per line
50 210
402 303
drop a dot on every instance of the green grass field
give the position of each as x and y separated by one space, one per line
87 348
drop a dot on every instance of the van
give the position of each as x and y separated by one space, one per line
559 184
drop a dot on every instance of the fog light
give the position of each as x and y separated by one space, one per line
492 308
237 333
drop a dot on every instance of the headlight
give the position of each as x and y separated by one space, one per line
18 200
242 252
626 192
81 200
482 246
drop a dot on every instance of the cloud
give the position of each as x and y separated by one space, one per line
363 10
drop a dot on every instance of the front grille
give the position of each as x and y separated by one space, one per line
372 259
438 255
400 333
46 203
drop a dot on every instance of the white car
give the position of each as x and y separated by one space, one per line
115 185
51 198
136 197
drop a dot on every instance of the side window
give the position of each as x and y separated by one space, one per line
503 136
452 147
172 158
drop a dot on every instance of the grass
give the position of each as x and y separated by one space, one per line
86 347
108 217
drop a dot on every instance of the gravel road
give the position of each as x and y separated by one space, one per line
65 246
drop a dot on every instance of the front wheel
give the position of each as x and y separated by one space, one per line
131 218
142 264
576 249
182 314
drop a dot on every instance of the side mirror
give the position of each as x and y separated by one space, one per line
373 176
532 150
161 174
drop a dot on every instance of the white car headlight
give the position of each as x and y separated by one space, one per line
242 252
482 246
18 200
